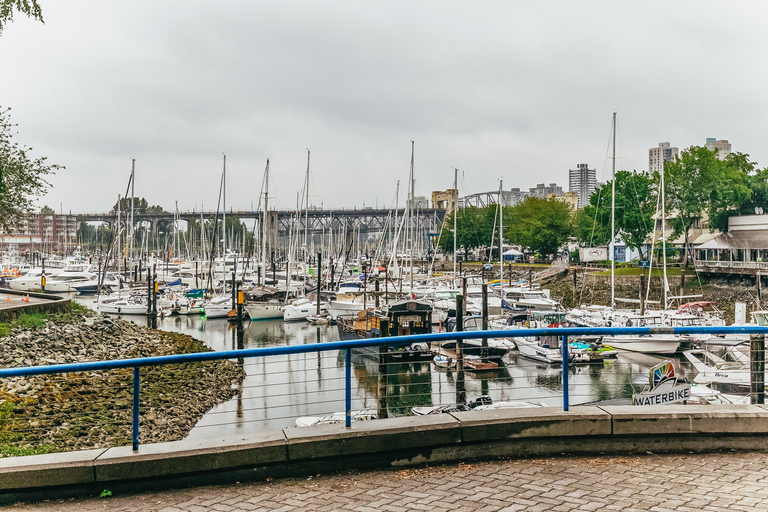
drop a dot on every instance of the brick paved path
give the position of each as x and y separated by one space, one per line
728 481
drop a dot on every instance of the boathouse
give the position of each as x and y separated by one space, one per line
742 250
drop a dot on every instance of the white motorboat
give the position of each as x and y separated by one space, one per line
645 343
526 297
218 307
265 310
32 279
543 348
300 309
721 361
123 307
336 417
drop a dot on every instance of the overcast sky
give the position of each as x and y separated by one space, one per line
521 91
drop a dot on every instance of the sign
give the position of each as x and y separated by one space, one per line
644 263
593 254
663 387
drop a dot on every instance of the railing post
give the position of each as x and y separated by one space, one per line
348 386
757 367
565 373
136 383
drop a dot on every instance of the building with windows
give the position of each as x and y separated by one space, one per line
37 231
723 147
655 156
544 191
583 181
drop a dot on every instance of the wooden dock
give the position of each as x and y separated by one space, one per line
470 363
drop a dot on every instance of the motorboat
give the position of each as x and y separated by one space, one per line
265 310
644 343
721 361
300 309
32 279
481 403
528 298
123 307
336 417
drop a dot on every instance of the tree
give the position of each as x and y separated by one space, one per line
21 178
47 210
635 204
542 225
474 226
28 7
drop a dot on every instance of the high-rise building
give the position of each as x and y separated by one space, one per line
655 154
582 180
723 147
543 191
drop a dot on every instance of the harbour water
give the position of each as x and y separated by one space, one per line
279 389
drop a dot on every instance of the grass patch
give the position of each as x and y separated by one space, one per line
657 272
31 320
5 329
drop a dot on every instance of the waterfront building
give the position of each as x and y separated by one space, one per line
570 198
742 250
583 181
723 147
665 151
544 191
38 231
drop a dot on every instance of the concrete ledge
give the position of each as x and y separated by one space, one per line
550 422
184 457
50 470
411 432
392 442
688 419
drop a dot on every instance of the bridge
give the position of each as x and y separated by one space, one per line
314 221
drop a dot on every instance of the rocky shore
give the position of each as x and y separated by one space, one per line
78 411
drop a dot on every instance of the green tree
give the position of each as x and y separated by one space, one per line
474 226
28 7
542 225
47 210
635 203
21 177
699 183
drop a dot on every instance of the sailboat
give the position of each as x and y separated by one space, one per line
649 344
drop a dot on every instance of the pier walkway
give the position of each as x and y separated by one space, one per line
730 481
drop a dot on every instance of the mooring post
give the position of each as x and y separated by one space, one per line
383 371
319 280
565 373
461 391
348 386
136 385
42 279
757 367
484 347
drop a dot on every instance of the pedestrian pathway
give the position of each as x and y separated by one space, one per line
659 483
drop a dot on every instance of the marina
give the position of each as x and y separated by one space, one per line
277 391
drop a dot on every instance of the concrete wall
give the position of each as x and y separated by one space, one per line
407 441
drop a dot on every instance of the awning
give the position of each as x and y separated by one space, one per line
746 239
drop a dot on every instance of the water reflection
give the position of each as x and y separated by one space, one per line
279 389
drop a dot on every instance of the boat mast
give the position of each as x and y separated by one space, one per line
224 216
410 219
264 227
613 217
306 207
133 168
455 219
501 242
663 228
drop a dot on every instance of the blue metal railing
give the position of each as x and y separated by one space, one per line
347 346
